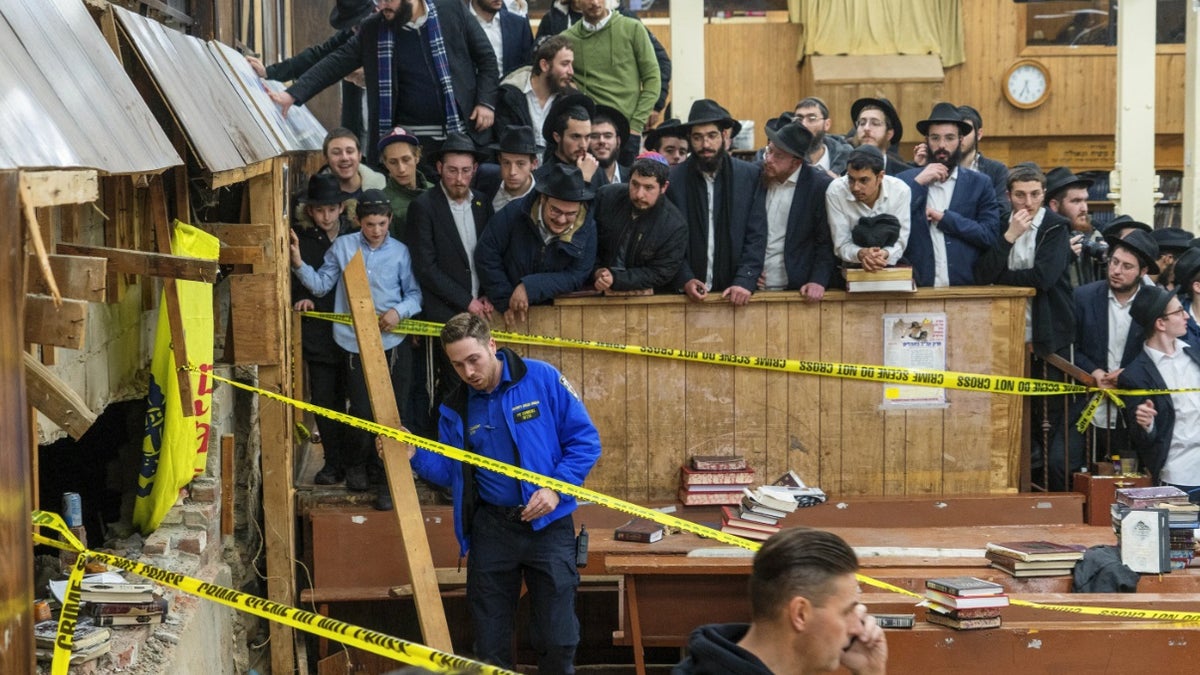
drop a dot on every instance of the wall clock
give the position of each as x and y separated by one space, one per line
1026 84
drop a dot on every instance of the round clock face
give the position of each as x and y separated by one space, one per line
1026 85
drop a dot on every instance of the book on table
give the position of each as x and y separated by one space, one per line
694 478
746 533
91 591
888 279
966 602
718 463
895 620
639 530
1014 564
127 613
963 624
751 505
772 497
732 516
689 498
746 514
969 613
964 586
1145 541
1142 497
1030 551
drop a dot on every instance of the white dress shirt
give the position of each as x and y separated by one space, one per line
492 30
1179 371
464 222
844 211
779 205
939 198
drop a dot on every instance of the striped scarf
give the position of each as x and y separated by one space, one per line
387 46
441 67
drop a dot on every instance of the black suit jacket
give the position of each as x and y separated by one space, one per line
654 242
439 258
1141 373
1091 329
807 246
473 70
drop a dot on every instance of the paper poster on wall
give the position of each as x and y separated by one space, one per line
914 341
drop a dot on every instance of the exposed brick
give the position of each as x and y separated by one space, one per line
204 491
195 520
173 517
157 543
125 652
193 542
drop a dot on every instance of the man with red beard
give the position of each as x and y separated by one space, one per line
641 234
428 67
954 213
717 195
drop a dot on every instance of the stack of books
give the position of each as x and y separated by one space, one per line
763 506
1150 497
89 642
892 279
123 604
964 603
714 480
1034 558
803 494
1182 520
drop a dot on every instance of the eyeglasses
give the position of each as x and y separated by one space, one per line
870 122
558 214
1170 314
811 119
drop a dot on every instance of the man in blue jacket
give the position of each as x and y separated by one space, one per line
954 213
539 247
521 412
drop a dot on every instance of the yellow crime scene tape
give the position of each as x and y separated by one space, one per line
411 653
581 493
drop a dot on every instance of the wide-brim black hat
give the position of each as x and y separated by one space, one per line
881 230
794 139
619 121
708 111
888 110
1123 221
1060 178
323 190
1172 239
565 182
517 140
785 117
560 105
1142 245
347 13
1187 268
672 128
457 142
1148 305
944 113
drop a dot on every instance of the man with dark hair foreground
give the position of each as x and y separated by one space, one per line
521 412
805 615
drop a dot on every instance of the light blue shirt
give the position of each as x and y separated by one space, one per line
389 271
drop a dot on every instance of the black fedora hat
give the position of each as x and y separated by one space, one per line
1141 244
564 182
516 140
944 113
1123 221
793 139
785 117
1060 178
458 142
880 230
708 111
618 120
1172 239
1187 268
561 105
1148 305
888 110
671 128
323 190
347 13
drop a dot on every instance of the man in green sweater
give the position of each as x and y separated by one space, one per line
615 66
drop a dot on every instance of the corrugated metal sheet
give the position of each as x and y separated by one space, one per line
299 131
220 125
65 101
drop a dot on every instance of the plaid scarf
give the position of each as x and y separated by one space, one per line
387 46
441 67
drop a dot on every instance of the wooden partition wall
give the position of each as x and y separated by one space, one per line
654 413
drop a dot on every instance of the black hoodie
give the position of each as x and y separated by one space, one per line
713 650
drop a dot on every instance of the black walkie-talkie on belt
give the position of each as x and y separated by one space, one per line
581 547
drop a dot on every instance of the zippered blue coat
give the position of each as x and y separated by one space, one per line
549 425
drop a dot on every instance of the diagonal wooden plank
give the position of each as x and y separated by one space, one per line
426 594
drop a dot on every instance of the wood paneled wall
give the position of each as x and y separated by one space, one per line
654 413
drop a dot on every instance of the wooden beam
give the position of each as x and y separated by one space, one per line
430 613
59 325
227 484
162 235
239 234
231 176
145 263
56 399
264 197
54 188
79 277
255 339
